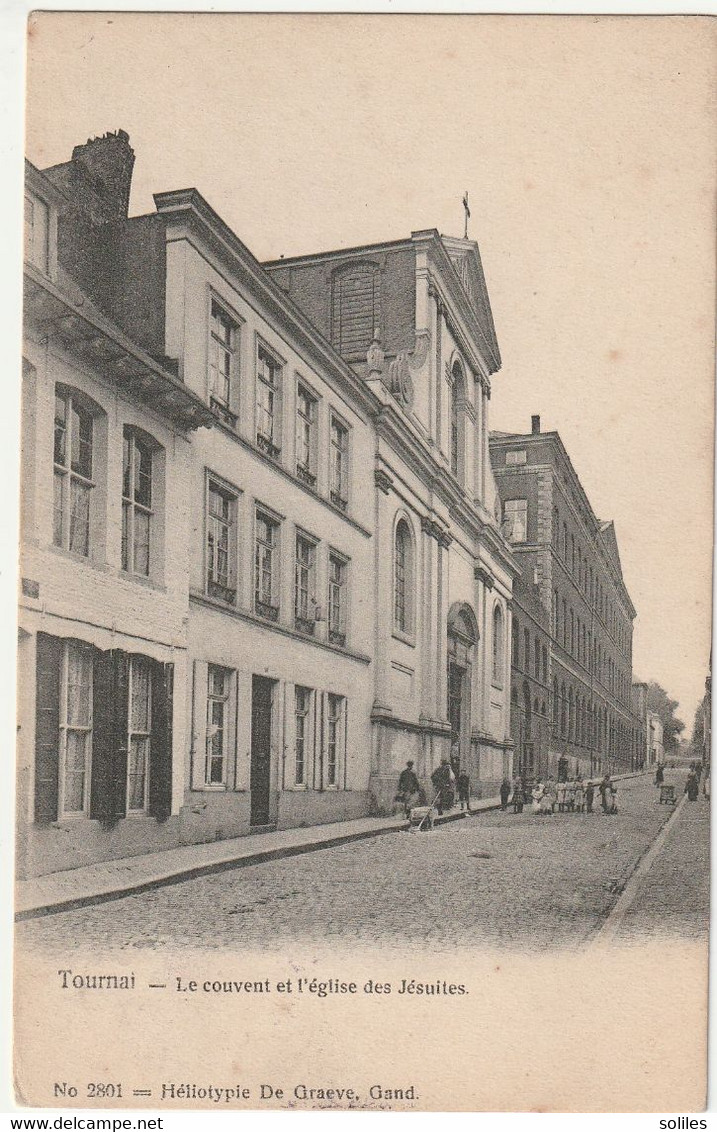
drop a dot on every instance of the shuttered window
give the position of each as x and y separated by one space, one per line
356 308
103 733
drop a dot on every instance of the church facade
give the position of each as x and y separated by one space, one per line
413 319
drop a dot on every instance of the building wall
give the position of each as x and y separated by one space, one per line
92 599
311 283
590 618
233 634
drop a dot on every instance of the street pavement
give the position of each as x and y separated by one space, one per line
497 879
673 898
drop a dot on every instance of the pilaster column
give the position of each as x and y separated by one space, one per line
382 581
429 560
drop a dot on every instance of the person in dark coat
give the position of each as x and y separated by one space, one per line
504 794
463 783
589 795
692 786
518 796
409 788
441 779
605 794
659 775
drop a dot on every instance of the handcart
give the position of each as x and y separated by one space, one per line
421 817
667 794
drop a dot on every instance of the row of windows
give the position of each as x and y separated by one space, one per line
538 706
589 651
74 479
305 768
533 657
577 563
80 731
224 379
221 566
586 725
74 461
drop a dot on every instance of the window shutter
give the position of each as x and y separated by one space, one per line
118 773
160 765
199 725
108 791
47 727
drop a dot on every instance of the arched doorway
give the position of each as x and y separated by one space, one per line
462 639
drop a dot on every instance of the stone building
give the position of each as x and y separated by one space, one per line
642 726
574 561
656 734
262 557
413 320
531 726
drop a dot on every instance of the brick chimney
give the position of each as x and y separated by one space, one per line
104 165
535 425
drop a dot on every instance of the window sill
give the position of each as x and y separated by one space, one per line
140 579
406 638
214 788
81 559
341 508
221 593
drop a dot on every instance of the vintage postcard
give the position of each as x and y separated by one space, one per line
364 710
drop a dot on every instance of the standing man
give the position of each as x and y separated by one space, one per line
409 788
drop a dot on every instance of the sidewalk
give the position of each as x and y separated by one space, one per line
111 880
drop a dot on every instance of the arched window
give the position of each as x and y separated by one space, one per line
515 642
498 645
403 578
458 396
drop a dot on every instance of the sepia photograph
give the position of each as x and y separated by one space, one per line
364 632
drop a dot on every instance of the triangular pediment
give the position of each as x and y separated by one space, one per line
465 258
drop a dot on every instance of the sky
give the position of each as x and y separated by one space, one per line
586 145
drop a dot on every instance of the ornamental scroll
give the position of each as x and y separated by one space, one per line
397 378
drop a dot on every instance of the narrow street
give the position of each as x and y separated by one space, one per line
498 879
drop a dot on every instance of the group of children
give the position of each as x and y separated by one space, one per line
571 795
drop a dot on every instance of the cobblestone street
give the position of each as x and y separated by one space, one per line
498 879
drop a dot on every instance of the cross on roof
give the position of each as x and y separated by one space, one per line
467 212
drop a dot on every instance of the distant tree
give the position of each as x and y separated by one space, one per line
659 702
698 731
